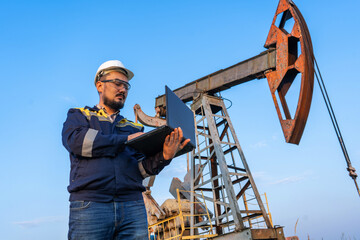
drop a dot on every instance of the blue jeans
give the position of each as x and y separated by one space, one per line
114 220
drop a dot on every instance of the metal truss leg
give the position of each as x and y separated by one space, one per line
222 171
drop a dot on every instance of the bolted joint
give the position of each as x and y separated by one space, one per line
352 172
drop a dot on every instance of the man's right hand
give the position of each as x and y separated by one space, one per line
134 135
173 143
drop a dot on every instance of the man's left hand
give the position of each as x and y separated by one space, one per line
173 143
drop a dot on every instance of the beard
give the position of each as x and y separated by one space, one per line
113 104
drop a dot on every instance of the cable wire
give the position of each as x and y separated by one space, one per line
325 95
219 93
321 83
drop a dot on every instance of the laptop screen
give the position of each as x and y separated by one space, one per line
179 115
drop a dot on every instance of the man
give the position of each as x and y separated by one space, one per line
106 175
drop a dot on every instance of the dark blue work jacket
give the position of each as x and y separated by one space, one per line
103 168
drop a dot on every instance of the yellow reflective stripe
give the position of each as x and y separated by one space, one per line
84 111
124 122
101 115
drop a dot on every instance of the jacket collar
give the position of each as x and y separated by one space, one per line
112 117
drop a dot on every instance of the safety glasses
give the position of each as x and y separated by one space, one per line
119 83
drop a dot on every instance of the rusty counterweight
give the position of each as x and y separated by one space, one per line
289 63
280 64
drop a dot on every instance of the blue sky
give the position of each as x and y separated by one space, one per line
50 51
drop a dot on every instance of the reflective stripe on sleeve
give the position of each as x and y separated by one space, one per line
88 142
142 170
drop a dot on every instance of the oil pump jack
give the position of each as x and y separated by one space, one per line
219 171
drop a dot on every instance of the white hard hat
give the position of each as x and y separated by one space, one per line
113 65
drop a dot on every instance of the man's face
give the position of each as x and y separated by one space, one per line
111 94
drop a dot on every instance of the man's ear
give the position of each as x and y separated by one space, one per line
99 86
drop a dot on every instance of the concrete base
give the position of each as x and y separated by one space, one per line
244 235
254 234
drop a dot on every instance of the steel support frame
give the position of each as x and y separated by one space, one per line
224 170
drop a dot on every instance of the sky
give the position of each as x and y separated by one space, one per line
50 51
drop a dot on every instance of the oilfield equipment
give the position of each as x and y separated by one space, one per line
218 198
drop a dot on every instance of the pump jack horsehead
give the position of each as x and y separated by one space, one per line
280 64
289 53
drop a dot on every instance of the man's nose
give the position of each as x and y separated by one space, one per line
122 90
